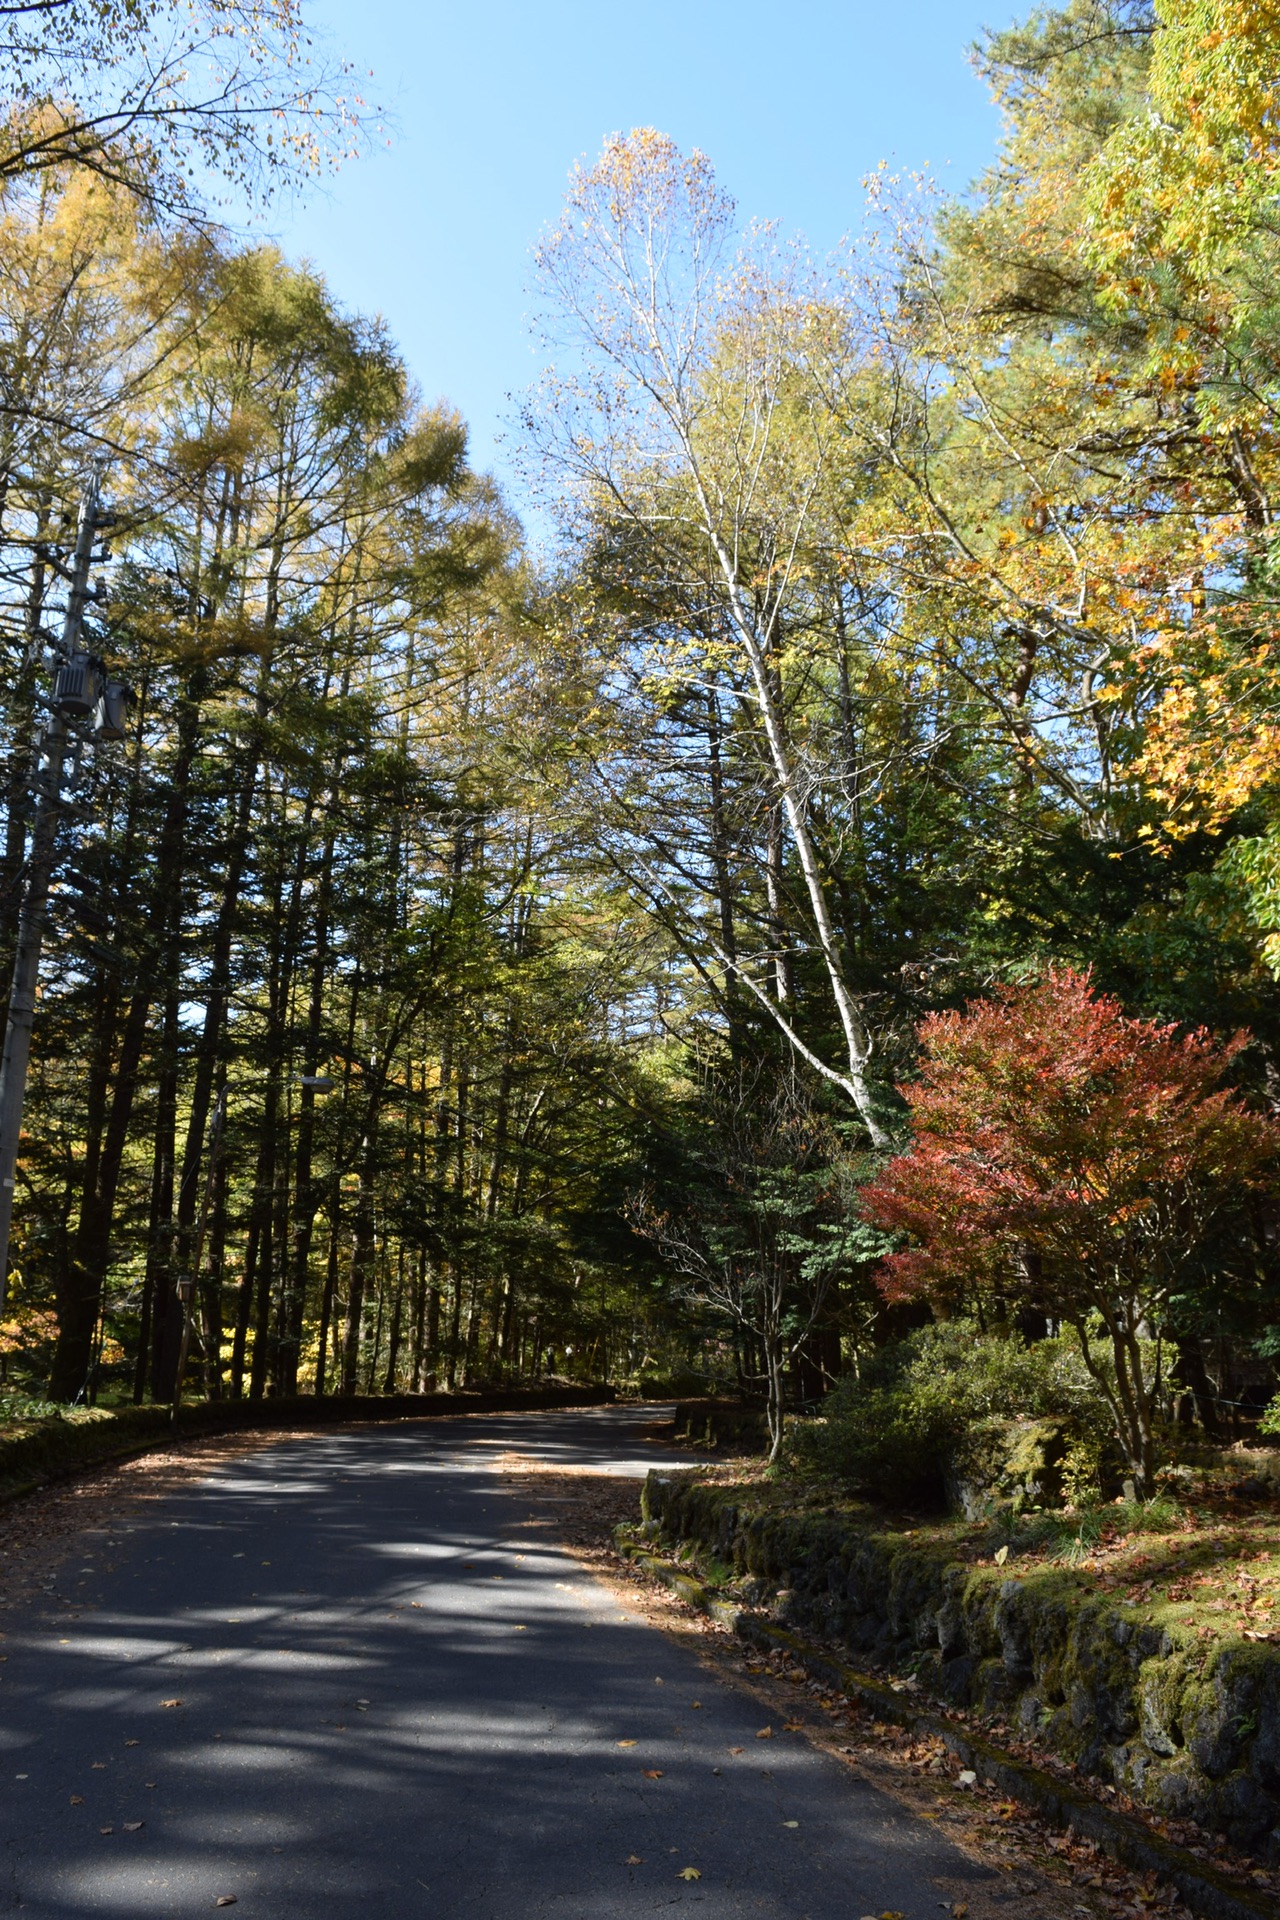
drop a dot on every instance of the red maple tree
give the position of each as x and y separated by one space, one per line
1069 1158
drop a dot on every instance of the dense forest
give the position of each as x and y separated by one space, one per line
475 962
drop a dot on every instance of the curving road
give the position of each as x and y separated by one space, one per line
346 1678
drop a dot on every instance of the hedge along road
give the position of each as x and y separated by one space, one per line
346 1677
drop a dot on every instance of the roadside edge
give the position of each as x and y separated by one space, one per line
1122 1838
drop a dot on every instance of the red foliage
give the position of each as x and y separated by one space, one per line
1064 1152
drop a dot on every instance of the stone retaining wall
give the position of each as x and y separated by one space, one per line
1190 1729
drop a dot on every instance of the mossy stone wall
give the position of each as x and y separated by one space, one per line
1190 1729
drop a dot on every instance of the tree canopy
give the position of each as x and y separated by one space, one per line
477 962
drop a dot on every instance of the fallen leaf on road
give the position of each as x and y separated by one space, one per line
225 1900
765 1733
98 1766
653 1773
626 1743
106 1829
522 1629
171 1703
131 1743
793 1726
77 1799
791 1823
695 1703
634 1860
134 1826
737 1749
689 1873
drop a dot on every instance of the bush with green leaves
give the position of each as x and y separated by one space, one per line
891 1429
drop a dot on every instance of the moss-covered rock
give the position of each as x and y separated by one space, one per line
1190 1729
1007 1463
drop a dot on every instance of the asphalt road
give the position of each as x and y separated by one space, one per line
344 1678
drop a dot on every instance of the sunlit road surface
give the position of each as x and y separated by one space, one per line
345 1678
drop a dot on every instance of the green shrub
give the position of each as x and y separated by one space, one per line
893 1428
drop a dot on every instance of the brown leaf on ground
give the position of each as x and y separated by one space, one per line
765 1733
653 1773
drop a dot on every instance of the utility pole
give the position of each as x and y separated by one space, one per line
75 692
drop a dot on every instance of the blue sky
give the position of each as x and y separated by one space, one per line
794 101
